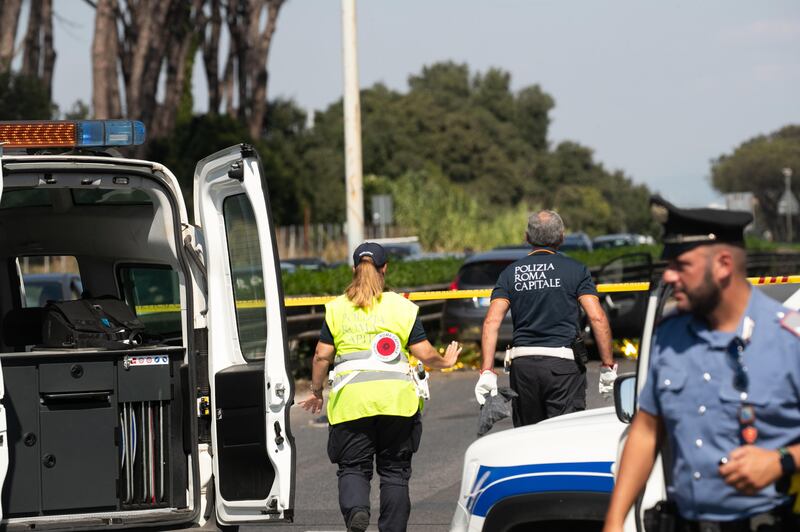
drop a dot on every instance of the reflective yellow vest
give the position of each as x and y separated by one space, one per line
371 393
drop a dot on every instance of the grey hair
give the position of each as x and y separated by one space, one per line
545 228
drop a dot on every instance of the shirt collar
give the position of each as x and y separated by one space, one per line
744 331
543 249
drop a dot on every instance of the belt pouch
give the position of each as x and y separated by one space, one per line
580 352
661 518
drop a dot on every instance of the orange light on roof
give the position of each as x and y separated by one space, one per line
38 134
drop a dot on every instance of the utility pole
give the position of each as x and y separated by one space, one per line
787 180
352 129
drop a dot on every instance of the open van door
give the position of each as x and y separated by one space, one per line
3 425
251 392
626 393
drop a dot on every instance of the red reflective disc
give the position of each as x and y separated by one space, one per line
386 346
749 434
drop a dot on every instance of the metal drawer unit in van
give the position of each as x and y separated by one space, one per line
94 431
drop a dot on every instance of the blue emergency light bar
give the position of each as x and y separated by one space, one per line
71 133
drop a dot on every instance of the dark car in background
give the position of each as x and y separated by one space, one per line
43 287
462 319
576 242
625 309
303 263
617 240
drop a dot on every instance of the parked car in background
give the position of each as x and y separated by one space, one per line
288 267
576 242
614 241
43 287
401 248
625 310
303 263
621 239
462 319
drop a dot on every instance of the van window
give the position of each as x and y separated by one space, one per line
25 197
110 196
50 278
244 254
154 295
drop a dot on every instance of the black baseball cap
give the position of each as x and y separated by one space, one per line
370 249
685 229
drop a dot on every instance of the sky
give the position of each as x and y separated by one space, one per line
656 88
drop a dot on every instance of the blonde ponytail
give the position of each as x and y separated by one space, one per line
367 284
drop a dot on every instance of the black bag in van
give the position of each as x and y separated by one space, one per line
104 322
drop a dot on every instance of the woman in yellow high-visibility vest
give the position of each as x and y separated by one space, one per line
376 397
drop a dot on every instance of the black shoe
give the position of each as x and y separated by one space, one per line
359 521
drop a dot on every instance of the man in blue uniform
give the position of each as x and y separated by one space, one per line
723 386
543 291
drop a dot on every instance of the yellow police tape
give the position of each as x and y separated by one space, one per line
448 294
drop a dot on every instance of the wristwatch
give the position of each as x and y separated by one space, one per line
315 391
787 461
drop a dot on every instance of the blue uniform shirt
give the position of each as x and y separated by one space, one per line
543 290
690 386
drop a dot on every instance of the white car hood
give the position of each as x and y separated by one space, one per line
591 435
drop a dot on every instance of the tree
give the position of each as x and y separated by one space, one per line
130 39
23 98
105 85
756 166
247 58
532 108
9 20
583 208
39 57
480 135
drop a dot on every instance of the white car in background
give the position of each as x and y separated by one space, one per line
557 475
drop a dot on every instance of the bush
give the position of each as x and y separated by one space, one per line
400 275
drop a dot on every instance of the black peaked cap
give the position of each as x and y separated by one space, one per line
685 229
372 250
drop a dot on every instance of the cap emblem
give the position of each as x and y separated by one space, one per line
659 212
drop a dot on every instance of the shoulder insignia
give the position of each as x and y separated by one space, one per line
791 322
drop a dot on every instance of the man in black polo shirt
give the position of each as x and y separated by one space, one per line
543 291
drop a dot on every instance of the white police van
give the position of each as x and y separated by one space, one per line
557 475
186 424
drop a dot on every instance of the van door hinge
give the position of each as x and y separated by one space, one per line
236 171
272 506
197 259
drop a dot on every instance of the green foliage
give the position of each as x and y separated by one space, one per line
464 156
23 98
78 111
583 207
192 141
475 132
756 166
446 217
399 275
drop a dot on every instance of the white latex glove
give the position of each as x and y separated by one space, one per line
487 383
607 378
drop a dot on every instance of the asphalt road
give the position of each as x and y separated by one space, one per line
449 427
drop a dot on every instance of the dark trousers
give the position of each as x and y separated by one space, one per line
547 387
390 441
